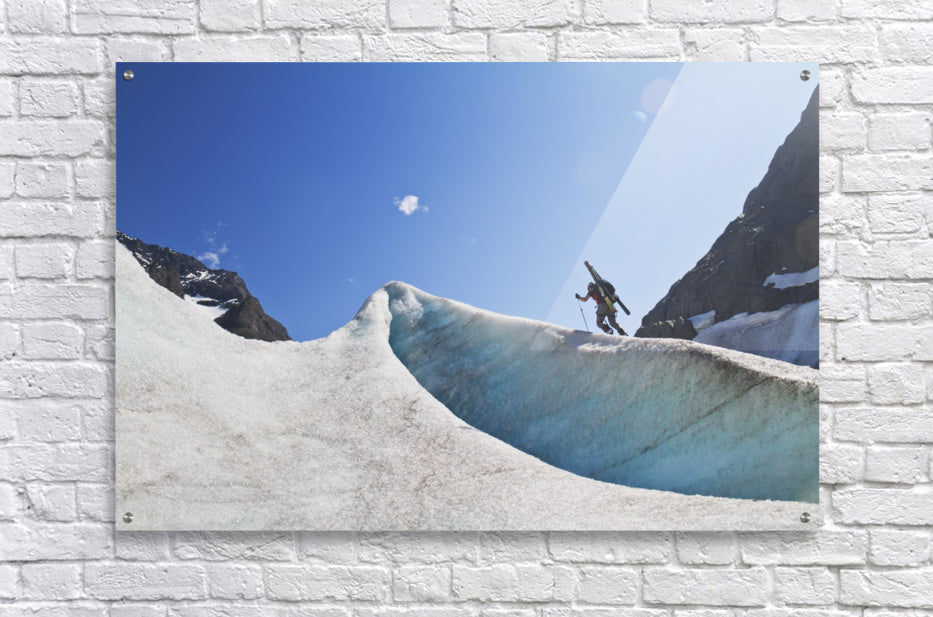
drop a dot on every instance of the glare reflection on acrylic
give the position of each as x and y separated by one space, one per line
373 296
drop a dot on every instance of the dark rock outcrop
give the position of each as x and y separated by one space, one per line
184 275
776 232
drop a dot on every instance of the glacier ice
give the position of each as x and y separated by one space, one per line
217 432
659 414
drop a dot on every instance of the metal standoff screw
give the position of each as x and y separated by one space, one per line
128 75
805 517
805 74
128 517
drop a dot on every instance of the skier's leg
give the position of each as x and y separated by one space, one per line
615 324
601 322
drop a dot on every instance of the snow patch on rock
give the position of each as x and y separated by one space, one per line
792 279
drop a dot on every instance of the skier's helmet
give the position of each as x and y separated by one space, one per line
591 286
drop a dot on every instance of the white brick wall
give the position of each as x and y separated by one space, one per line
58 552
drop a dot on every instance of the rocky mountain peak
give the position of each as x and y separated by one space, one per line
223 291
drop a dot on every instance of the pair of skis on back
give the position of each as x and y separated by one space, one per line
605 289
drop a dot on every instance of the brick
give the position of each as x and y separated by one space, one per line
95 259
896 547
843 214
502 14
366 15
96 502
49 56
716 44
48 421
57 582
126 609
503 547
142 16
7 178
274 48
50 137
902 589
893 301
54 302
884 425
60 462
822 548
131 581
11 342
842 384
44 261
883 506
9 501
896 384
883 343
55 541
628 548
227 16
829 173
899 213
219 546
234 582
7 99
143 546
896 464
41 379
831 44
80 220
418 13
37 16
893 84
842 131
833 89
807 11
9 582
468 46
513 583
604 12
423 547
709 587
901 259
841 463
136 50
907 43
519 47
100 98
840 300
100 342
605 612
706 548
95 178
807 586
886 172
827 342
293 583
43 180
336 48
608 585
57 99
422 583
52 502
886 9
899 131
713 12
620 45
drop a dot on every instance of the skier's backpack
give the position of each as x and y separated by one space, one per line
608 287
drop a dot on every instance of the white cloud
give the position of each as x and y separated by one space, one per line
408 205
210 259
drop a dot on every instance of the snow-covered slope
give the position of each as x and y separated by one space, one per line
219 432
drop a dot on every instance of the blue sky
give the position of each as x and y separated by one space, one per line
486 183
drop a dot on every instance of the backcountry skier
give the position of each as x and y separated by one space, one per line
604 308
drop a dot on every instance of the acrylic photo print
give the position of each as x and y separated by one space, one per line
551 296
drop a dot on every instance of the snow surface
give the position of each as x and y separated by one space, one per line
790 333
792 279
703 320
213 312
219 432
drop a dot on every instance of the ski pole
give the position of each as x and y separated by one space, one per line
584 319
